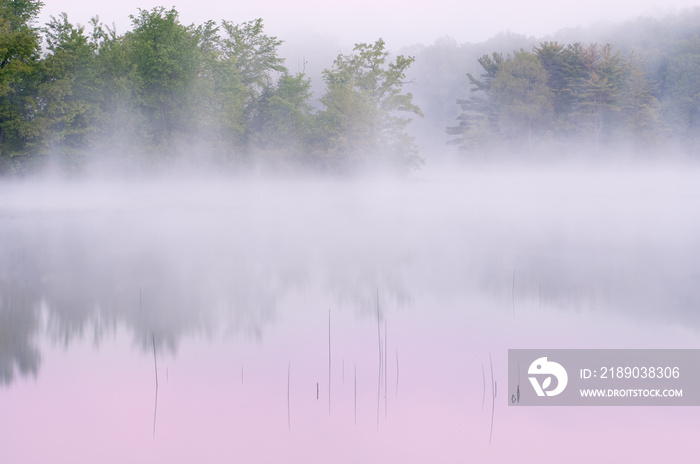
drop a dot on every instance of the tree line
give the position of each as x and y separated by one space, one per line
219 95
210 93
588 94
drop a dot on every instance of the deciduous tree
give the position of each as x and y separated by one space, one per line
19 55
366 110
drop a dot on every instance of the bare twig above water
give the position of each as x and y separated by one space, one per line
386 363
518 398
155 363
483 396
513 292
379 339
155 366
379 375
289 376
397 372
329 362
493 402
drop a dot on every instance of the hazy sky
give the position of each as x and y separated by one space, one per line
400 23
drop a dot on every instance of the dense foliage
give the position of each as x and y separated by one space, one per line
593 97
212 95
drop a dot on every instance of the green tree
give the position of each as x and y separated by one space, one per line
253 55
561 92
521 95
681 102
639 106
19 55
564 67
121 126
163 58
284 119
366 111
511 100
478 121
218 95
597 90
69 95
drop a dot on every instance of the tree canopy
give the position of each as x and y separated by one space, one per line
218 95
209 93
589 95
366 111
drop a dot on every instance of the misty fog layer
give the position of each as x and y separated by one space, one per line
224 95
179 258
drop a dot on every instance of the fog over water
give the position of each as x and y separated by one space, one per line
230 284
312 232
621 235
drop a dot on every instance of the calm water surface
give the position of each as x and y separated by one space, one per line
192 321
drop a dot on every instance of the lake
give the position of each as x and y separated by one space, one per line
338 320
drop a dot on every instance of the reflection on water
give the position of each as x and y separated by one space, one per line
232 282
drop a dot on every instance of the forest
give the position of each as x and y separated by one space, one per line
215 95
621 89
589 93
219 96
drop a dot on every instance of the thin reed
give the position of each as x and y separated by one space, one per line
155 366
493 402
329 362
